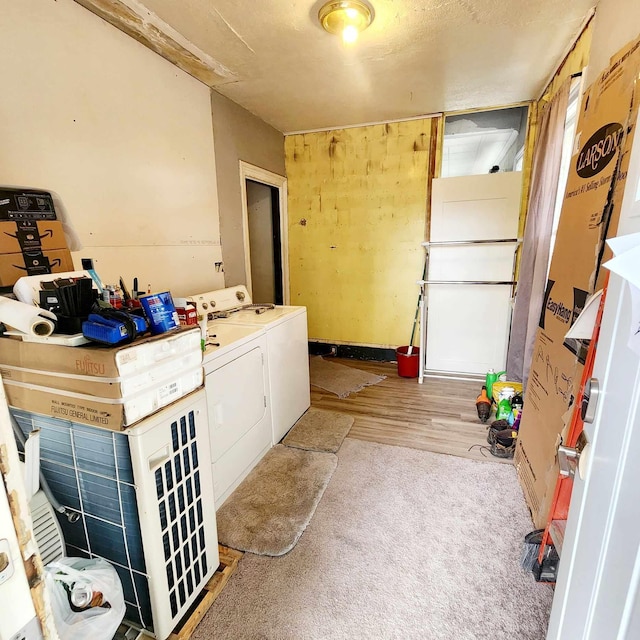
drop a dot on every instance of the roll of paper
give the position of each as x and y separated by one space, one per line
27 289
26 318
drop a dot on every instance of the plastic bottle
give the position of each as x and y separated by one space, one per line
503 401
516 422
202 323
517 402
504 409
492 376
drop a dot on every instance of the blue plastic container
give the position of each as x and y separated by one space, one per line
160 311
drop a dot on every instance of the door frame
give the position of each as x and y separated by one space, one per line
257 174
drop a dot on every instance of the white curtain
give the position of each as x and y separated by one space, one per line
537 236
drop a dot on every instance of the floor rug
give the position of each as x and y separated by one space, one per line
273 505
405 544
319 430
339 378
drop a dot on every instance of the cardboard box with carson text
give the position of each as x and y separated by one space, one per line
590 212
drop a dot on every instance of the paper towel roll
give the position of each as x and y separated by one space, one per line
26 318
27 288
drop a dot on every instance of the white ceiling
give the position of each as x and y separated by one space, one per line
418 57
475 152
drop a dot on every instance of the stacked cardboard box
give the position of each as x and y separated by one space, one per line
104 387
32 241
590 211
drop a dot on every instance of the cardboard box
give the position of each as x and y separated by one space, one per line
188 316
33 263
113 388
31 235
96 361
109 413
105 387
590 212
26 204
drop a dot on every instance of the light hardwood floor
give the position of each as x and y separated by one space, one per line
438 415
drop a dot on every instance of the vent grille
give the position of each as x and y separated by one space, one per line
45 529
179 494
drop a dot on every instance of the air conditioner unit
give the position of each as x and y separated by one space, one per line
145 500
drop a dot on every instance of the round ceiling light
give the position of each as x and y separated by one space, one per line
346 18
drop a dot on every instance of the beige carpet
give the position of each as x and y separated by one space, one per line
405 544
339 378
273 505
319 430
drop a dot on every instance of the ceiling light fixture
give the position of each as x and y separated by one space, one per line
346 18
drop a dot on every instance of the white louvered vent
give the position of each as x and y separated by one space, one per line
170 454
46 529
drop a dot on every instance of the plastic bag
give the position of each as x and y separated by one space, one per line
86 597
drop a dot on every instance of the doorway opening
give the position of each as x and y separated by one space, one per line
265 245
265 234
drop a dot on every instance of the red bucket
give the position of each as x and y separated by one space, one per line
408 363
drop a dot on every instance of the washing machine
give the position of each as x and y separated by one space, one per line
287 348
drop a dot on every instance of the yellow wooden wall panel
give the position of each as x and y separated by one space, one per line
576 60
357 202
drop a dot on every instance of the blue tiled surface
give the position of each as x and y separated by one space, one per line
106 540
94 451
100 496
89 470
142 587
62 480
74 533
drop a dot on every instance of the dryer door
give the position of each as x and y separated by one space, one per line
239 419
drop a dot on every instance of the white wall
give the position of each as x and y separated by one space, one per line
123 137
17 611
616 23
17 606
239 136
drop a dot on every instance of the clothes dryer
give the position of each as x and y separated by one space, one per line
287 347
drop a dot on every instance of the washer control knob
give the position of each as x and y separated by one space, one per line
205 305
212 303
240 295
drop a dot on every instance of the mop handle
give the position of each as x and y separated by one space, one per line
415 319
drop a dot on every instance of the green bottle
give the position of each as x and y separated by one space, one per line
492 377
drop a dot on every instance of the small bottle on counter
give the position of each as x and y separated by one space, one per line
112 295
202 323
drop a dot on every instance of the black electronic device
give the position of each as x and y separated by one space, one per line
71 299
26 204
